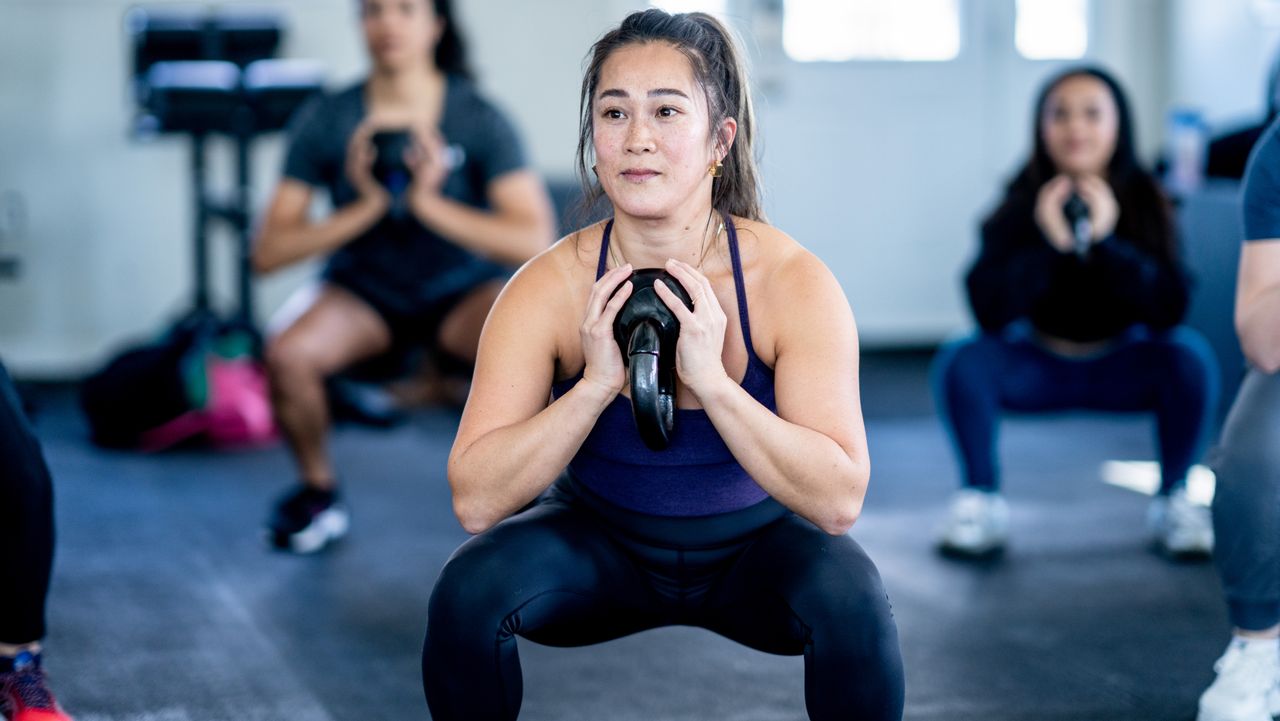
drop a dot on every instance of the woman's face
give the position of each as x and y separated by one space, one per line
1080 126
400 33
651 132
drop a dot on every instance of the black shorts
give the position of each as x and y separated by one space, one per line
414 323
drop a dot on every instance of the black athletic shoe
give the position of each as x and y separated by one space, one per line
306 520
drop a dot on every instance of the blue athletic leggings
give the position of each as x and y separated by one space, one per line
1171 373
571 572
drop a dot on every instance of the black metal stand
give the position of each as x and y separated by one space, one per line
204 71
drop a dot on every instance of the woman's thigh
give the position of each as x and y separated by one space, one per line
336 329
795 580
551 574
459 331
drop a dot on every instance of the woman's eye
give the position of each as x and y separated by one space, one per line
667 111
613 114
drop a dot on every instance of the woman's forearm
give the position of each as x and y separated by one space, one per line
801 468
1258 323
508 467
279 247
509 238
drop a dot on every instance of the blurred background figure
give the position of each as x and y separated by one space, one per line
416 256
26 560
1246 509
1079 289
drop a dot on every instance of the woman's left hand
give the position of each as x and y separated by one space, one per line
427 161
1104 210
698 352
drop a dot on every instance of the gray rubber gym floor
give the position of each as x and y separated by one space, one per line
166 607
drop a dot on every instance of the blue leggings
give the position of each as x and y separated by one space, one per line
573 571
1171 373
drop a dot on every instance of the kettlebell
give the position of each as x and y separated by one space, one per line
389 168
646 332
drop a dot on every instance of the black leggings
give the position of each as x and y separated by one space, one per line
26 522
573 571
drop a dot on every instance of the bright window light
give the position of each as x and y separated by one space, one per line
839 30
1268 11
1052 29
1144 477
711 7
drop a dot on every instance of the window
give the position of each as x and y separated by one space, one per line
1268 11
839 30
1052 29
711 7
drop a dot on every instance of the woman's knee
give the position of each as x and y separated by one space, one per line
965 365
296 355
840 591
1189 358
459 332
469 585
488 576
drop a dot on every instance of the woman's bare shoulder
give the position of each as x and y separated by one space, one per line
556 277
786 260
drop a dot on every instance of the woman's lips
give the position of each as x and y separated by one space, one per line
638 175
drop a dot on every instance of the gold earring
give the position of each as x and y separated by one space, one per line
716 170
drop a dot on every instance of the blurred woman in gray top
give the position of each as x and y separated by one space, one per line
418 245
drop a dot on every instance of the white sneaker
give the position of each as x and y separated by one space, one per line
1248 684
1180 527
977 523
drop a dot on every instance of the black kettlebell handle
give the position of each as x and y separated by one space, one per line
646 331
389 168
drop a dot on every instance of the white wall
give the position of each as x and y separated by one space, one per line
882 169
885 169
1219 55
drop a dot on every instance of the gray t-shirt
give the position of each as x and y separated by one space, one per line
401 266
1262 187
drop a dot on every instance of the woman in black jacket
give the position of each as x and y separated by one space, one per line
1078 289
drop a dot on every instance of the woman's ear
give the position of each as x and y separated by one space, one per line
725 134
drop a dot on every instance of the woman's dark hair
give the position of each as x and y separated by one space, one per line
718 67
451 51
1145 213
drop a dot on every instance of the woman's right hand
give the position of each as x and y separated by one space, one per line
360 157
1050 216
599 348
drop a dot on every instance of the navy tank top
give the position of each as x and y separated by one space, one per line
695 475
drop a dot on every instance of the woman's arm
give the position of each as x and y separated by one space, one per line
812 455
1258 304
519 225
511 444
1158 289
287 236
1013 270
